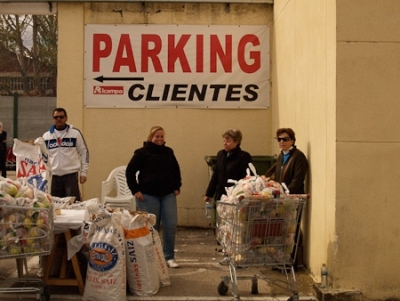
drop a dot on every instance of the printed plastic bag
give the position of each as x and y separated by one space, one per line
32 162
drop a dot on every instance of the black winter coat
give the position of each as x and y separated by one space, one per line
232 167
159 172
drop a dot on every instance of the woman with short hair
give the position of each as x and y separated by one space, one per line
291 166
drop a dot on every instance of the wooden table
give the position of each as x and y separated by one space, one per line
64 224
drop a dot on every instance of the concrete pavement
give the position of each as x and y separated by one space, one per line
197 278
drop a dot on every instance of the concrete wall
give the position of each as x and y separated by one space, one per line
336 82
368 102
303 97
113 134
33 116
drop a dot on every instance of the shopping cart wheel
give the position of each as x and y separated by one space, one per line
222 288
254 286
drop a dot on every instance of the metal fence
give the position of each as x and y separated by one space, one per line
26 118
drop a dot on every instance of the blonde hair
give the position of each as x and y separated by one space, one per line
153 130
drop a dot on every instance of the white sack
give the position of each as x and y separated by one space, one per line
160 259
106 272
141 265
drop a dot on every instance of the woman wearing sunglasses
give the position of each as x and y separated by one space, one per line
290 168
292 165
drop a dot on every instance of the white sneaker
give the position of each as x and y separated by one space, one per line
172 263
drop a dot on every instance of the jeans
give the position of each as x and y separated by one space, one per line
165 209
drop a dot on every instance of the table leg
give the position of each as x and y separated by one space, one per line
75 265
63 271
62 280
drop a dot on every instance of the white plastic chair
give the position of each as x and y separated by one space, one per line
116 182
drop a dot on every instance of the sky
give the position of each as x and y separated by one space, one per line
27 37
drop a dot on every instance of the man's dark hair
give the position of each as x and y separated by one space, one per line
60 110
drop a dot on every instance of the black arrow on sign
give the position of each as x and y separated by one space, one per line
102 78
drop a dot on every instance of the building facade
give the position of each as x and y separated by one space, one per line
334 72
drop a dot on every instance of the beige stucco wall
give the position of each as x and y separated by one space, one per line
113 134
303 97
368 72
336 81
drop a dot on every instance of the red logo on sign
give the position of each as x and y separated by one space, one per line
107 90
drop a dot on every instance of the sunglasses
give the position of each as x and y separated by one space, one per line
285 139
58 117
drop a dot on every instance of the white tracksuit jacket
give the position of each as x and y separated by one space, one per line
68 152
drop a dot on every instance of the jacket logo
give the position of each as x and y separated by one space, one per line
65 142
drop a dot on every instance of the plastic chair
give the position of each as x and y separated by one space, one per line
116 182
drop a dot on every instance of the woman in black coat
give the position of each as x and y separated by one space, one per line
231 163
156 187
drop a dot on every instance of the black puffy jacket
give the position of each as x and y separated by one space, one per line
159 172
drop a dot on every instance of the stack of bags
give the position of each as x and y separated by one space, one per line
124 248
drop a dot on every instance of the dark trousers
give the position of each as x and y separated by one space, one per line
66 185
3 164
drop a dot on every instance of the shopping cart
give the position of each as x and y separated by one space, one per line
25 232
260 232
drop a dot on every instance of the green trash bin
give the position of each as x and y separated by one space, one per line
263 163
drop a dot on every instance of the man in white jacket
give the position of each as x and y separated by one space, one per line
68 156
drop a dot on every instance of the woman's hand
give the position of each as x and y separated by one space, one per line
139 196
